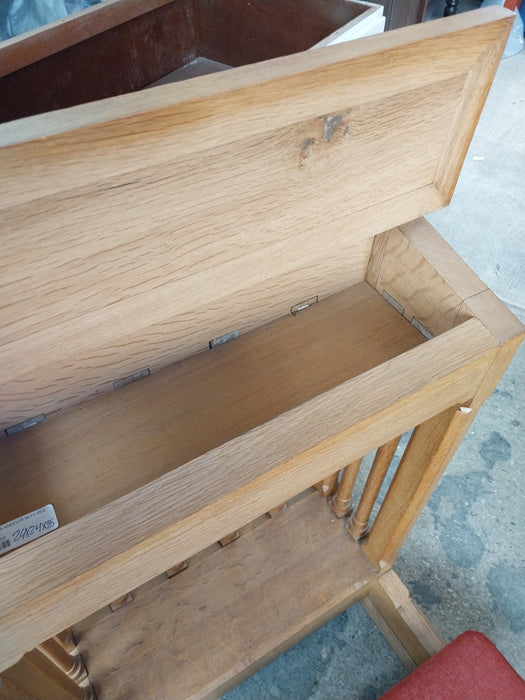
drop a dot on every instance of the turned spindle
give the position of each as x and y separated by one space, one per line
40 677
342 501
67 640
72 666
358 525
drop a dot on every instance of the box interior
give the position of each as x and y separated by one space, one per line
90 455
206 35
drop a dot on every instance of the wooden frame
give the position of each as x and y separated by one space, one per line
227 207
124 45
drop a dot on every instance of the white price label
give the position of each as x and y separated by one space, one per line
27 528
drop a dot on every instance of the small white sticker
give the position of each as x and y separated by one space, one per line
27 528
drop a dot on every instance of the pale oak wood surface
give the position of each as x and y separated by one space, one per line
419 269
401 621
52 582
153 207
98 160
91 455
270 587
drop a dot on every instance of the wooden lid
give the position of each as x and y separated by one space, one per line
137 228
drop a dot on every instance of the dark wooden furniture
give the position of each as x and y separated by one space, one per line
401 13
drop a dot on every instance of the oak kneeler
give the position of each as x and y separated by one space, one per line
218 296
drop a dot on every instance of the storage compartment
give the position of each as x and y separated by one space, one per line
88 457
125 45
188 442
216 295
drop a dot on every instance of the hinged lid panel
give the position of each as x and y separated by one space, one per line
138 228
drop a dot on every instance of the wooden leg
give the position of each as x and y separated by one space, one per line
402 623
342 501
358 525
425 458
37 675
72 666
431 447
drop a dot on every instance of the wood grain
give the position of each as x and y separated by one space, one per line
409 277
135 247
419 269
401 621
53 581
37 675
254 599
137 229
106 448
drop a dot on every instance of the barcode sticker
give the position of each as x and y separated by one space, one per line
27 528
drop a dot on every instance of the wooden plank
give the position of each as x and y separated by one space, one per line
424 461
401 621
429 279
158 343
254 599
33 46
410 278
159 209
461 127
494 315
51 582
86 458
443 258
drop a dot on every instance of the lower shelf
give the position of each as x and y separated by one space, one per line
203 631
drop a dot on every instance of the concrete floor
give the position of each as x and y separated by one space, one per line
463 561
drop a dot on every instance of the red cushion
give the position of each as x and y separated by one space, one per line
469 668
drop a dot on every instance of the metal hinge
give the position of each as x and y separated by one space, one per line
421 328
223 339
23 425
302 305
393 302
119 383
